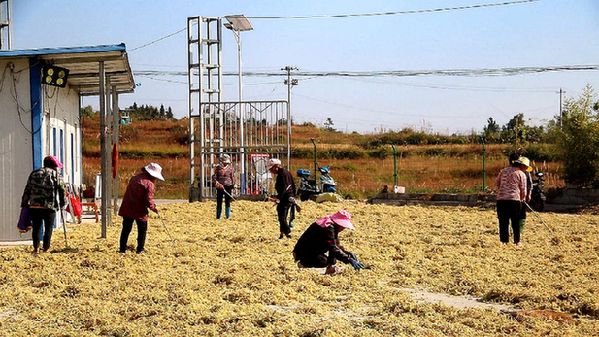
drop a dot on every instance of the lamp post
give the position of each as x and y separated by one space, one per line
238 24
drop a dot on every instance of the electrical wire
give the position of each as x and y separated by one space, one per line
464 72
415 11
458 87
158 40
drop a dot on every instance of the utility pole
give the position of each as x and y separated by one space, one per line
289 82
561 111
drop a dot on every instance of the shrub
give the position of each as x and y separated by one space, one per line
577 135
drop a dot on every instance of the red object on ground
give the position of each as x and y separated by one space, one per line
115 160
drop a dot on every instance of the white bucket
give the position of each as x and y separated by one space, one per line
399 189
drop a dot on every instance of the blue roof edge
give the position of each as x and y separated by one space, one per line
69 50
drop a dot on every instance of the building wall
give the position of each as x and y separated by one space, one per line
60 136
62 130
15 143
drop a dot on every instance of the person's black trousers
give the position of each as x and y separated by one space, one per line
509 211
314 261
47 217
219 200
142 229
282 212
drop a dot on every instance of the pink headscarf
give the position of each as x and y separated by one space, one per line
341 218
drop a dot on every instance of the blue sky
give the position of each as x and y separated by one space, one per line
535 34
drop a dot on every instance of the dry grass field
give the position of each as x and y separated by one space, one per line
359 173
235 278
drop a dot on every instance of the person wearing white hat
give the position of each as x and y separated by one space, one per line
285 198
224 182
138 198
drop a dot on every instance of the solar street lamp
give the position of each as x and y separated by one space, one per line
238 24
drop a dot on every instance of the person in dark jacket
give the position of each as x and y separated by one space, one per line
224 182
285 198
44 194
322 237
138 198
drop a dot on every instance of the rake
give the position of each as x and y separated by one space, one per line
165 228
538 216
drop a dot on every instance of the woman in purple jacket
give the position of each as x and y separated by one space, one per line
224 182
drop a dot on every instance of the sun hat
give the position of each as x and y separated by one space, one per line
52 161
272 162
524 161
225 158
154 170
341 218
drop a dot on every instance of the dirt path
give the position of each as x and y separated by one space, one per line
459 302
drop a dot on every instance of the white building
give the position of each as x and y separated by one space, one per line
37 119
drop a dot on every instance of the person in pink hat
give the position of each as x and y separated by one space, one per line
138 198
44 194
322 237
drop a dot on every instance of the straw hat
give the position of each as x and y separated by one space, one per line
524 161
154 170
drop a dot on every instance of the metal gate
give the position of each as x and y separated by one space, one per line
249 131
266 133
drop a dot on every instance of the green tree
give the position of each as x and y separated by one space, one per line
577 138
328 124
491 132
515 131
169 113
87 111
162 112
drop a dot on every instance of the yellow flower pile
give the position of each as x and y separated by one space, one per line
236 278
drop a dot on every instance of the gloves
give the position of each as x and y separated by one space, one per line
352 255
294 202
356 264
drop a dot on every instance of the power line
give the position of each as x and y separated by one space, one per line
415 11
158 40
458 87
472 72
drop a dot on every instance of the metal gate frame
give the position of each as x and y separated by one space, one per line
266 132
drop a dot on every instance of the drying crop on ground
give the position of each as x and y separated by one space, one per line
235 278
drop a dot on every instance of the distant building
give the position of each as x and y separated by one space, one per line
40 119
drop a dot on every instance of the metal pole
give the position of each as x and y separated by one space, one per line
484 170
394 165
237 35
288 115
104 182
115 141
315 168
561 113
107 176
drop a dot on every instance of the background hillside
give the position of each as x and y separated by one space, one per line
360 163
